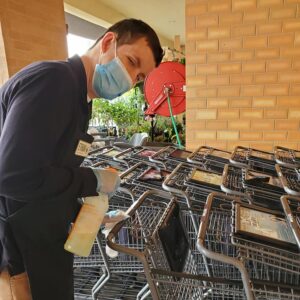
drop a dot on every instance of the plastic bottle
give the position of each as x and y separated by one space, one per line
87 225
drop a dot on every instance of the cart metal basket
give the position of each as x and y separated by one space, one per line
287 157
239 258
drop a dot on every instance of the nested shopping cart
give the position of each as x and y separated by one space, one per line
169 157
291 206
267 271
256 187
205 155
134 155
290 179
172 268
254 159
287 157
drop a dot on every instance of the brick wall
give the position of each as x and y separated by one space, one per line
32 30
243 73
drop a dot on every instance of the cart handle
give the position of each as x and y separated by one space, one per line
130 212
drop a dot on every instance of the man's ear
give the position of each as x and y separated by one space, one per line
107 41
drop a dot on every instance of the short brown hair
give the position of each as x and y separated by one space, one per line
130 30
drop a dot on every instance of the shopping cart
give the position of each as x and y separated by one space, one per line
255 187
290 179
287 157
169 157
168 278
256 160
267 271
208 155
291 206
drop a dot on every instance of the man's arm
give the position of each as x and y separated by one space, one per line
35 123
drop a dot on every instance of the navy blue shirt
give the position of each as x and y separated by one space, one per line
43 115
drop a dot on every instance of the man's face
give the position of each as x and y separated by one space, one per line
137 58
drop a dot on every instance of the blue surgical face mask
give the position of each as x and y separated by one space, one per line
112 79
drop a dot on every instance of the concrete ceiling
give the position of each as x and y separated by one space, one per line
167 17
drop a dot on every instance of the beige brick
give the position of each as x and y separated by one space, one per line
275 113
287 124
243 4
197 102
252 90
242 55
240 102
289 76
219 6
289 145
254 66
230 44
218 56
264 102
195 125
206 134
217 102
190 70
196 34
197 58
207 92
255 42
256 15
275 136
195 9
296 64
241 79
230 18
227 135
288 101
196 80
250 135
287 52
266 78
243 30
264 146
230 68
279 65
206 20
267 53
276 90
207 69
281 40
269 3
294 135
297 38
218 32
294 114
238 124
262 124
190 22
206 114
251 113
272 27
292 1
228 91
282 13
207 45
291 25
191 92
226 114
216 125
217 80
190 46
295 89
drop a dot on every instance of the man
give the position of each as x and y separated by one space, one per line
44 114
